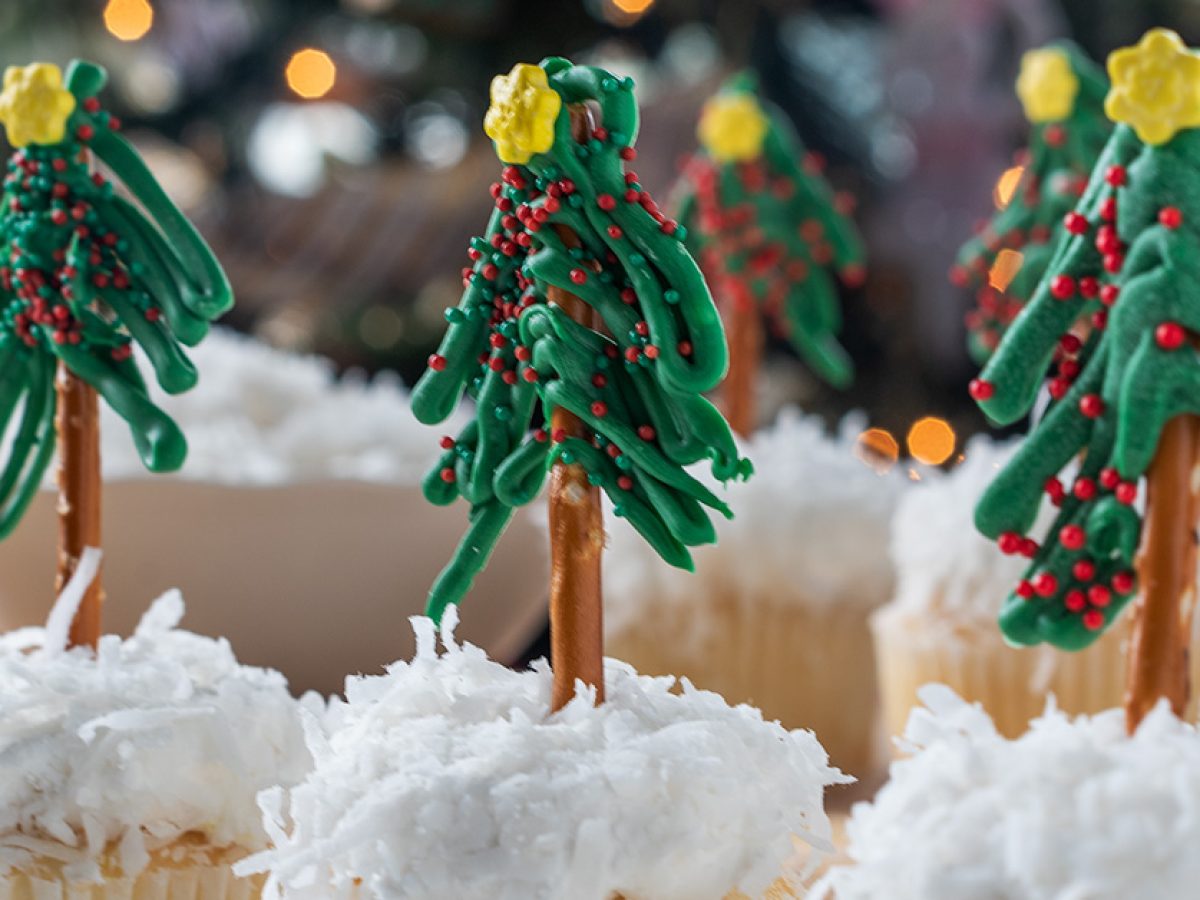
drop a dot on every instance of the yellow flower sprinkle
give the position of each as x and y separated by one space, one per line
1155 86
1047 85
34 105
732 127
524 108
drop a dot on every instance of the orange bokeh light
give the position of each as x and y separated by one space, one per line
633 7
128 20
310 73
877 448
1006 186
931 440
1005 269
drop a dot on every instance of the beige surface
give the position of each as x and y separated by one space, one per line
317 580
808 668
1011 683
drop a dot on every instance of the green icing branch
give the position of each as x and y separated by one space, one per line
1115 319
1063 92
87 274
635 380
765 225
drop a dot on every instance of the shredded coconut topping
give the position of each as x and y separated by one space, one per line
151 738
1071 810
813 515
448 777
264 416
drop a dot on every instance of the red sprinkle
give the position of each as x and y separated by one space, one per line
1170 335
980 389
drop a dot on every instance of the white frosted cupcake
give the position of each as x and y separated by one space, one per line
776 612
941 625
133 772
449 778
1071 810
292 476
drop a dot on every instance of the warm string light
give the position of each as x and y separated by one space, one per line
931 440
128 20
1006 186
310 73
877 448
1005 269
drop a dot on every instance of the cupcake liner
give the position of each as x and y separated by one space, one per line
161 880
1012 684
807 666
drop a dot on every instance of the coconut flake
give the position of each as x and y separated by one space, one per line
62 614
134 745
1074 809
449 777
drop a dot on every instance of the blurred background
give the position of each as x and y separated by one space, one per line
332 151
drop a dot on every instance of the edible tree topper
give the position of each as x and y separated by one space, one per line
1116 318
770 235
87 273
1062 94
581 306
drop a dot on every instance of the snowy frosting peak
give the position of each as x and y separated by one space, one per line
813 514
265 416
126 750
448 777
1071 810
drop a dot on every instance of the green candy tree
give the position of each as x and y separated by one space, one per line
1062 93
86 274
585 336
1116 317
770 234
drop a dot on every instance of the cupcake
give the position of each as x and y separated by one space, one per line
132 771
777 611
1073 808
292 475
941 624
449 777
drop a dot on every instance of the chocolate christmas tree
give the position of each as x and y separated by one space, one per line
87 273
581 308
1062 92
769 233
1116 317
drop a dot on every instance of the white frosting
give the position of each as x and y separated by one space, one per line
263 416
810 526
155 736
1071 810
943 564
447 777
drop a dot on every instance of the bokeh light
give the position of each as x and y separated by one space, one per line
128 20
310 73
931 440
1006 186
877 448
1005 268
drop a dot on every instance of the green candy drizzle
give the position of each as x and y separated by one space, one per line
773 225
1127 282
1056 164
637 383
86 275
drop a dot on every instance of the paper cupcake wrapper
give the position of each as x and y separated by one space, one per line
161 882
807 666
1012 684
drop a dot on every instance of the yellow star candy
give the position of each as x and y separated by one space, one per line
524 108
1155 86
732 127
1047 85
34 105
